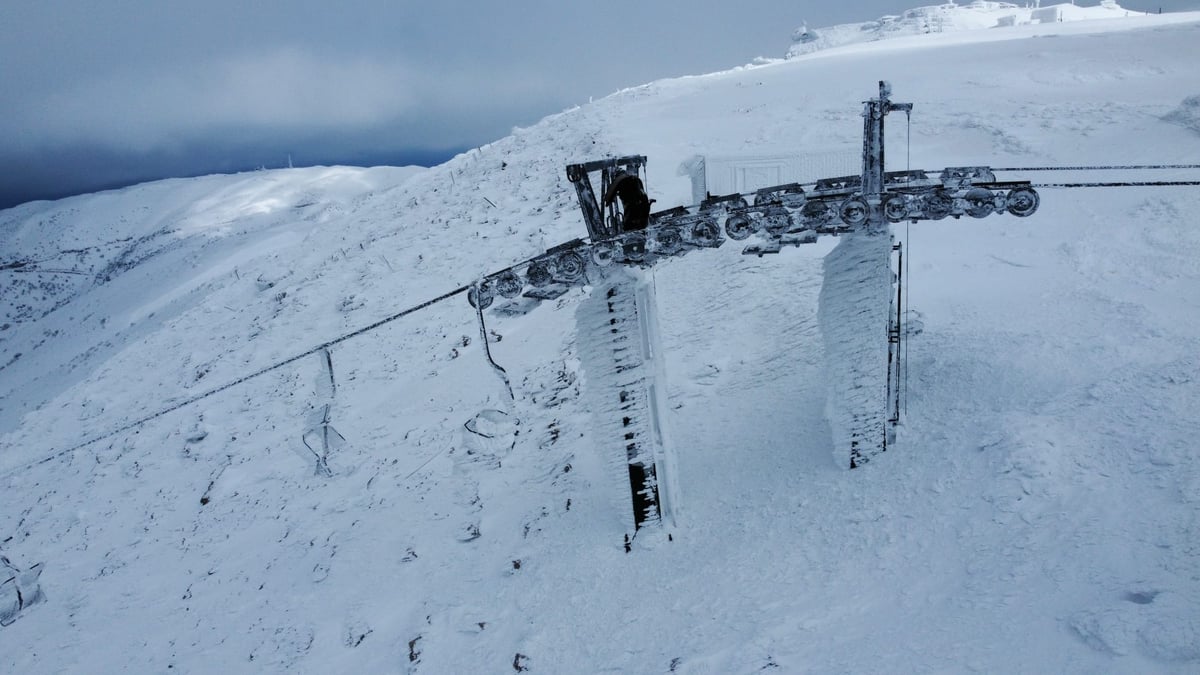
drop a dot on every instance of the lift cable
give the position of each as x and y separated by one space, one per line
1149 183
240 380
907 272
277 365
487 350
1128 167
466 287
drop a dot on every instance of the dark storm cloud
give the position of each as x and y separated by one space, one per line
96 94
101 98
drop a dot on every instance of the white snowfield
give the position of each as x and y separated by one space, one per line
1037 512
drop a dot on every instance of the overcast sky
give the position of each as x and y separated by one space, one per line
98 93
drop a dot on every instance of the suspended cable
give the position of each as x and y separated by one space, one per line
903 346
908 141
907 310
487 350
461 289
1114 167
1151 183
240 380
268 369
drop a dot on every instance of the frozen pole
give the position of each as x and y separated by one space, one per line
853 307
874 112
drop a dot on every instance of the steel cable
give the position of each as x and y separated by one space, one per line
234 383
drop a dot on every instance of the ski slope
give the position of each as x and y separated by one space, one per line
1038 512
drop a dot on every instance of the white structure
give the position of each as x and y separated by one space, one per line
1046 15
727 174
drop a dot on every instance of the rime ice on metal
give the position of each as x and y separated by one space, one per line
618 338
858 313
853 312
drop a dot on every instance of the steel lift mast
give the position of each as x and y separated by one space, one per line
857 209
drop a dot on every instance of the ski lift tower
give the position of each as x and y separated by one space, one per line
859 308
855 310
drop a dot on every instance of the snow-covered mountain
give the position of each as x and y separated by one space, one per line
1038 512
950 17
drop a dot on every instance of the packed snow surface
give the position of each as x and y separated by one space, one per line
1037 513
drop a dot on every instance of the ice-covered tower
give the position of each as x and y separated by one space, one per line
854 305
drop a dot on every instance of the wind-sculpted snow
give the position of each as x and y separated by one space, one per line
1187 114
389 508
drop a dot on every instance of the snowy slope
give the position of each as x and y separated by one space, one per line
1038 514
102 261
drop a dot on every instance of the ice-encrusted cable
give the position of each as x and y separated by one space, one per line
260 372
1111 167
487 350
1148 183
240 380
907 310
